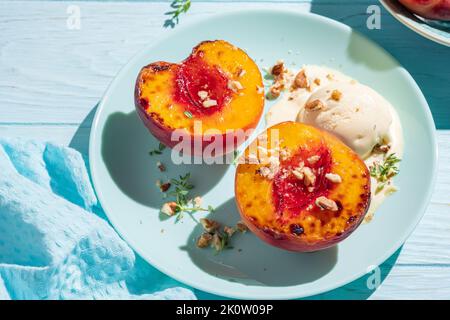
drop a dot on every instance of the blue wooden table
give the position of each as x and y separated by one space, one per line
52 77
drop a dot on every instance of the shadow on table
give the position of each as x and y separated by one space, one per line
406 46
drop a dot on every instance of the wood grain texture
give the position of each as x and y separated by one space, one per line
51 78
66 71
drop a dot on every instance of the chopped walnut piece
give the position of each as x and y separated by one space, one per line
160 166
241 226
284 154
298 171
169 208
234 85
209 103
300 80
229 231
315 105
317 81
275 89
309 177
269 171
333 177
209 225
217 242
204 240
298 174
278 68
368 217
313 159
163 186
326 204
203 94
383 148
197 202
259 89
336 95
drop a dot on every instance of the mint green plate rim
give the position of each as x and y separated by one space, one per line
95 161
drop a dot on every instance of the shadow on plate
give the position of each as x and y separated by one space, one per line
125 150
253 262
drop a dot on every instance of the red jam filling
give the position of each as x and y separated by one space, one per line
290 193
194 76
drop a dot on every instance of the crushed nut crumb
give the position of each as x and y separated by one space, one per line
315 105
217 242
209 225
313 159
326 204
204 240
197 202
259 89
317 81
169 208
160 166
336 95
269 171
278 68
383 148
209 103
242 227
333 177
163 186
284 154
275 89
300 80
234 85
203 94
309 176
229 231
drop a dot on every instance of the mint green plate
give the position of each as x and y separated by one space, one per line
124 174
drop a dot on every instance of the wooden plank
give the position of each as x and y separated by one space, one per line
428 245
52 77
45 66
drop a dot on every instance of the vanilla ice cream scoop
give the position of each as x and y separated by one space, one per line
354 112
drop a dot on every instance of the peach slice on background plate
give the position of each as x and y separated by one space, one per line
304 190
217 90
429 9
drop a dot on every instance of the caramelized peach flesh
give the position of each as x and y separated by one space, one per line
215 91
282 207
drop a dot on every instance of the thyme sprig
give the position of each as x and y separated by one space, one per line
178 7
383 172
184 204
159 150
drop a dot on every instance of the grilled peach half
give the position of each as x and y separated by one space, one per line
301 188
216 91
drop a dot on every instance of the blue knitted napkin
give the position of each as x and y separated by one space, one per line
54 240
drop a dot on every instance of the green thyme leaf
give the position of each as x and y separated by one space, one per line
158 151
382 172
178 7
188 114
181 194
